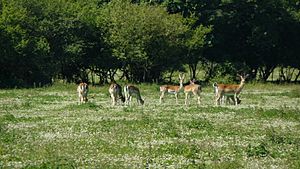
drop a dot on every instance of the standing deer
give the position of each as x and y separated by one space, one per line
226 98
231 90
129 91
172 89
192 88
82 90
115 91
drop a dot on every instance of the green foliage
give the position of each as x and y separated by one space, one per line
281 138
140 41
257 151
26 49
200 124
57 163
144 38
198 38
254 32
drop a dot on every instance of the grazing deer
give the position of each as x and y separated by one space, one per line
129 91
82 90
171 89
231 90
226 98
115 91
192 88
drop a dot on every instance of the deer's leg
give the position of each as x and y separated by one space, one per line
230 100
138 98
81 99
176 97
218 99
129 100
227 99
224 100
186 98
197 94
126 99
235 99
112 99
161 96
238 100
115 99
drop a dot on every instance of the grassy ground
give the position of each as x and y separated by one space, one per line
46 128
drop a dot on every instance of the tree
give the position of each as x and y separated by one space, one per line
251 32
24 50
143 38
196 43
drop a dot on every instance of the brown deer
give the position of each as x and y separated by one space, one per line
226 98
172 89
192 88
229 90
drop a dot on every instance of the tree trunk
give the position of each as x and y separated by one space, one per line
281 75
111 74
193 69
289 73
209 71
170 77
92 77
265 72
297 76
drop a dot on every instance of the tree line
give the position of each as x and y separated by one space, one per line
141 41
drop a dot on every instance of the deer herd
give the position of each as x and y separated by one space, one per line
224 93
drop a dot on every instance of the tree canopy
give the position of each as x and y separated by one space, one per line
140 41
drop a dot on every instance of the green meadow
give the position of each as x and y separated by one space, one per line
47 128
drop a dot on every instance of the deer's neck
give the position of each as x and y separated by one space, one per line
242 84
180 87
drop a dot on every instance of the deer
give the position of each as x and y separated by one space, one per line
131 90
172 89
82 90
115 91
230 90
226 98
192 88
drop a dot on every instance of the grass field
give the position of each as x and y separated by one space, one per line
46 128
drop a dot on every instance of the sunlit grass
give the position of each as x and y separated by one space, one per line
47 128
